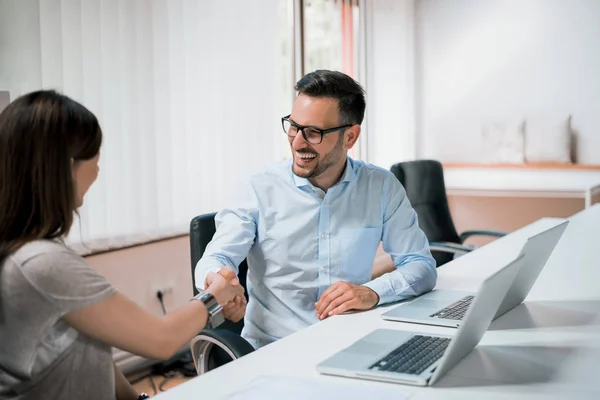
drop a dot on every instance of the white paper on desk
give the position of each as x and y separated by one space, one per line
278 388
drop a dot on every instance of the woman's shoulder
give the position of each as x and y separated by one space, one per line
58 272
44 250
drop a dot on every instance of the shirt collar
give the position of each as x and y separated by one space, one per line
349 172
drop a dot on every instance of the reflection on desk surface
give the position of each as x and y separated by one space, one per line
272 387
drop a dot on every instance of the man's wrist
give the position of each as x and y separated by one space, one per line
374 297
380 288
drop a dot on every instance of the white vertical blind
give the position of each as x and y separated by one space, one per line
391 60
189 94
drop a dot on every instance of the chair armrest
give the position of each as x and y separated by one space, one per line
210 341
448 247
465 235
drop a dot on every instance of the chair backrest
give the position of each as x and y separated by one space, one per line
426 191
202 230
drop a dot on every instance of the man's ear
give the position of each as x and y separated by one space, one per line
351 136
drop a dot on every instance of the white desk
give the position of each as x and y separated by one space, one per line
505 182
546 348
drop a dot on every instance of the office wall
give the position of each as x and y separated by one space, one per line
506 214
505 60
140 271
4 99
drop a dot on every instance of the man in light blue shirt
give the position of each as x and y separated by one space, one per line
310 227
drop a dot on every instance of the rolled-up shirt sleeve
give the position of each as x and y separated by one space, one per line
235 235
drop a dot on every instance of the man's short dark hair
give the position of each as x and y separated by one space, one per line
337 85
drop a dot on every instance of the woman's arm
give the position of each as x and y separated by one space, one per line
123 389
121 323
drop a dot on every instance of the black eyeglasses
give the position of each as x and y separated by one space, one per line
311 134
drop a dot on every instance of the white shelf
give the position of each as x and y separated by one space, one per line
527 182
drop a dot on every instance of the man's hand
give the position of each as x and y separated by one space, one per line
236 309
224 285
343 296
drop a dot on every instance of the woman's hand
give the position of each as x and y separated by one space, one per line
224 285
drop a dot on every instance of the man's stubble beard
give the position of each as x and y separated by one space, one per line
331 159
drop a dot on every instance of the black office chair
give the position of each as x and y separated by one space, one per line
215 347
425 188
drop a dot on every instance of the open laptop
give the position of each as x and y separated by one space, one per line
448 307
421 359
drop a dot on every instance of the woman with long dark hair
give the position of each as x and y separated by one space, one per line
59 318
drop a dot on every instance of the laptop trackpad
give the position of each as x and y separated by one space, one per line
427 303
367 347
380 340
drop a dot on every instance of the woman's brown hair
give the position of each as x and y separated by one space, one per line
41 134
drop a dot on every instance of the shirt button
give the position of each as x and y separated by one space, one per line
323 269
323 236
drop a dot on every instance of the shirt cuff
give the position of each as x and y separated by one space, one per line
208 265
383 290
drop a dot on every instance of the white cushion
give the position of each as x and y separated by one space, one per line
502 142
548 139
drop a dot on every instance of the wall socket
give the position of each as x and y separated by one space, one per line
165 288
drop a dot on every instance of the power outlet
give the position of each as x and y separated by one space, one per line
166 289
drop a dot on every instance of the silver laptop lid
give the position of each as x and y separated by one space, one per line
536 252
478 317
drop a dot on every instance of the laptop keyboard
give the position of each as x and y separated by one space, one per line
455 310
413 356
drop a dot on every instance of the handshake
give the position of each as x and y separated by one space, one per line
226 288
